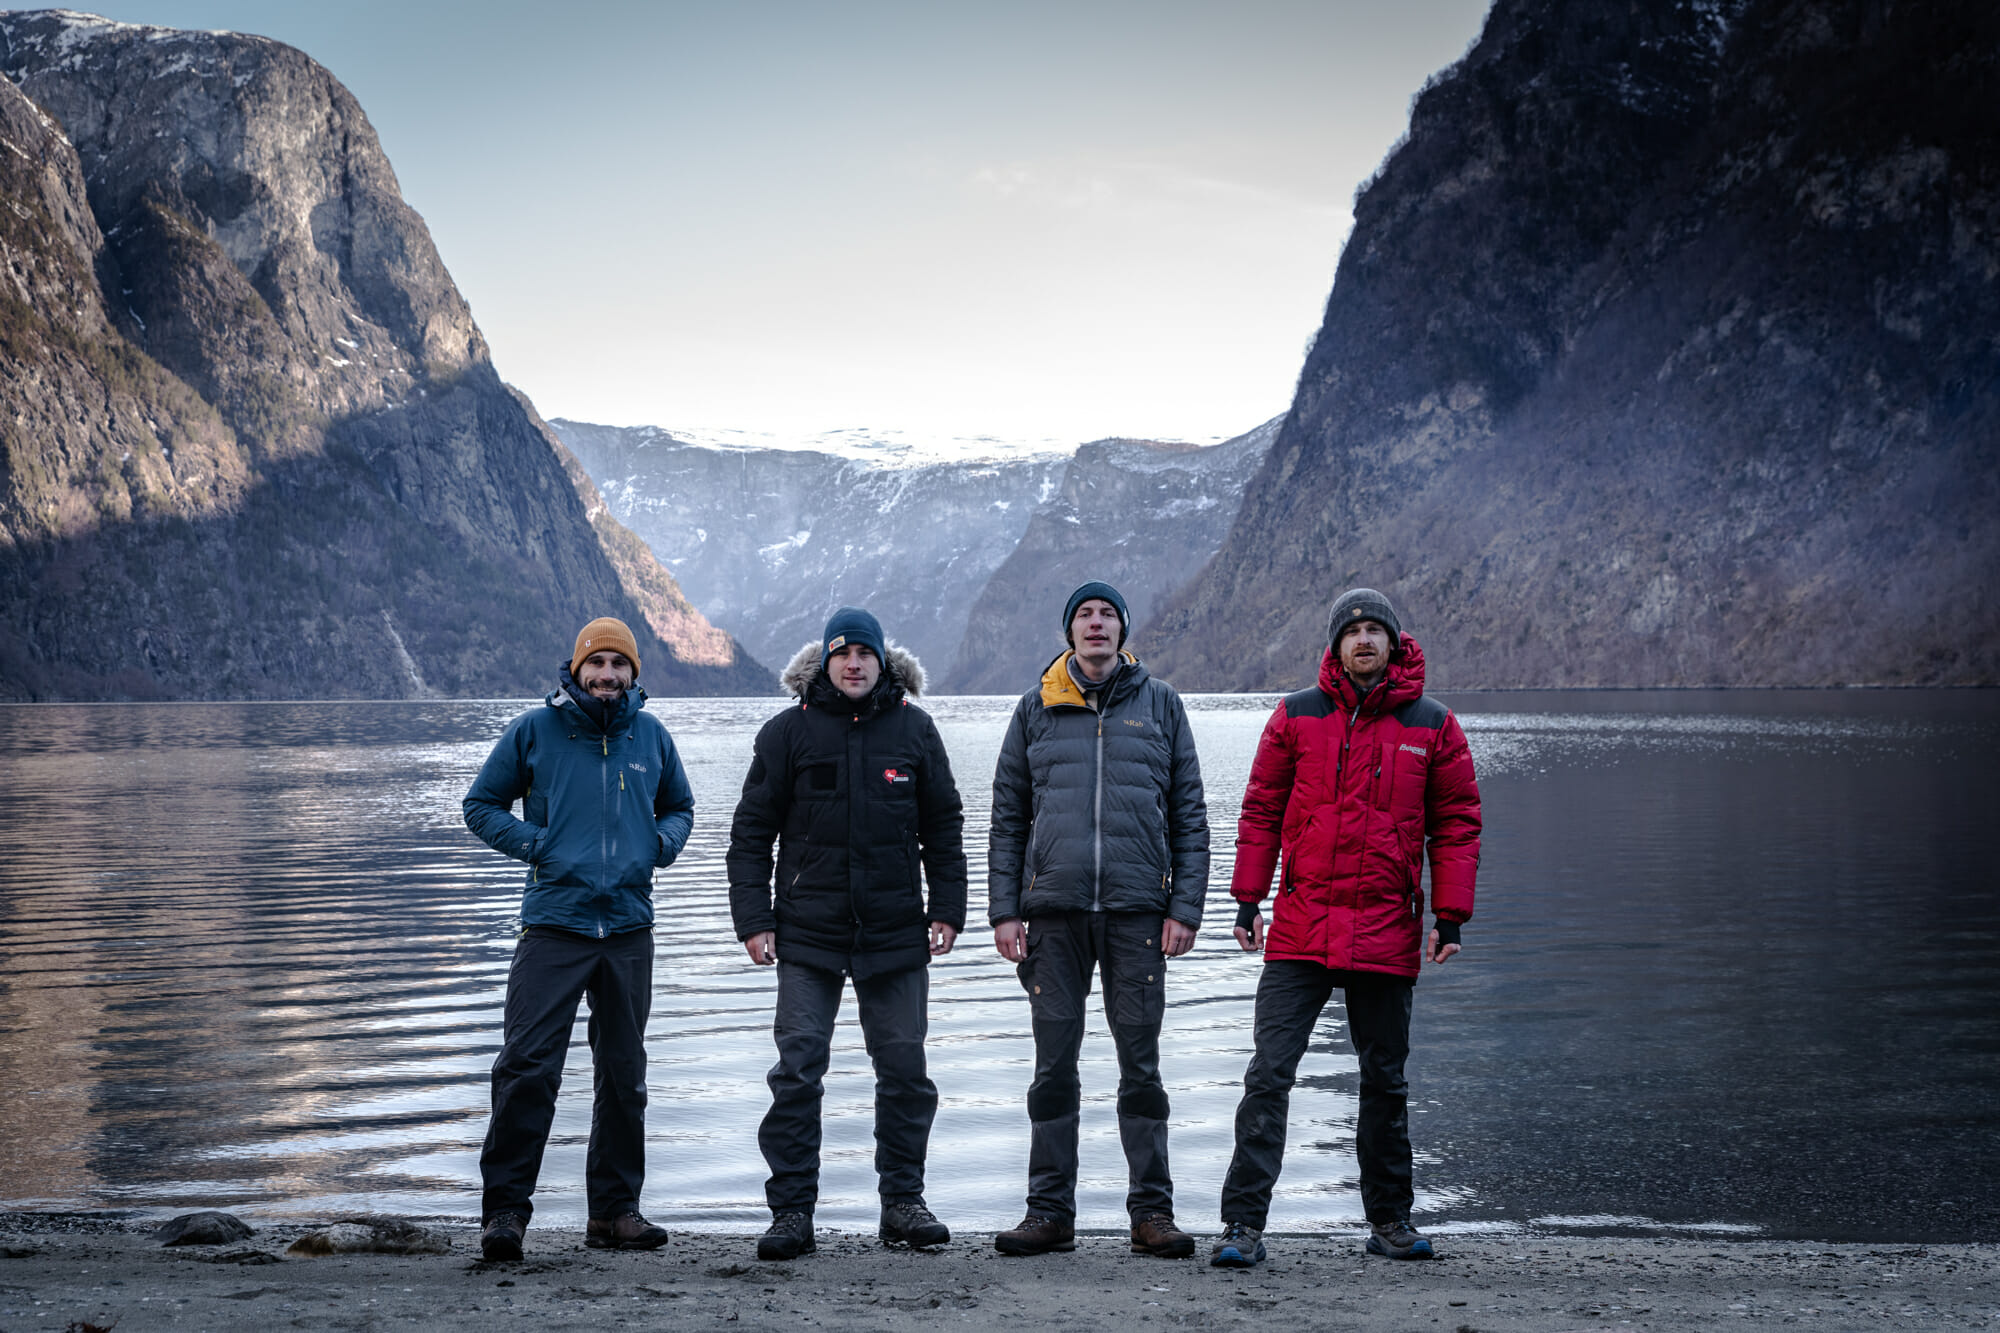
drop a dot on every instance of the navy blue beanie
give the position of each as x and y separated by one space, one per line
1097 588
850 624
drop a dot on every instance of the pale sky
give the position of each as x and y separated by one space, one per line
1028 220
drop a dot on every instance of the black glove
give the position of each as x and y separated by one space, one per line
1447 932
1246 915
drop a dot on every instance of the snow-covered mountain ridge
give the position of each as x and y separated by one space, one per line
767 541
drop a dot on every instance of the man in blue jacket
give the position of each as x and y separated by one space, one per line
605 803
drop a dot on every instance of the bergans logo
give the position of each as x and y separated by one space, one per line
1417 750
833 645
893 776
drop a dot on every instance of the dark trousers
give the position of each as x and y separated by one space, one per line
1290 995
552 970
1063 949
894 1021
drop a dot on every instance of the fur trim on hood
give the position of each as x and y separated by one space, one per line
805 665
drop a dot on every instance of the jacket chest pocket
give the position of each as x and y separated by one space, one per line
894 780
1402 772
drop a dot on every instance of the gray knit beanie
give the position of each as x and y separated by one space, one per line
1358 604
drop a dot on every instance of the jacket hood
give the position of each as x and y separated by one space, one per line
1404 682
1059 686
797 677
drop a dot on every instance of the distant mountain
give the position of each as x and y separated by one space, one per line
1662 352
769 541
1141 515
251 443
966 562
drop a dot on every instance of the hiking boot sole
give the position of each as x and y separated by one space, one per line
606 1243
1022 1249
500 1251
782 1252
899 1240
1179 1249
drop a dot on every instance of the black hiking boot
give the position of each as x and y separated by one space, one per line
500 1238
790 1235
908 1222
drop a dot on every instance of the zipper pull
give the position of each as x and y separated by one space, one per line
606 743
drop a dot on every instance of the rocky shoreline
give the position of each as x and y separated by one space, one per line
85 1271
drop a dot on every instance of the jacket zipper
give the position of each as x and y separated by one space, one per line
1339 764
603 823
1097 826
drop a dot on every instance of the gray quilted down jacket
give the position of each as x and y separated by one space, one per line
1098 809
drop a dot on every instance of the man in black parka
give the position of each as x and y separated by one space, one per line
853 786
1098 862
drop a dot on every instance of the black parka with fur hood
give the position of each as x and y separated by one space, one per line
1098 808
855 795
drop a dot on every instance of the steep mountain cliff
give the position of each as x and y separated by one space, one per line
769 541
253 444
1662 352
1140 515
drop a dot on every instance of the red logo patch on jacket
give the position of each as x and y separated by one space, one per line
893 776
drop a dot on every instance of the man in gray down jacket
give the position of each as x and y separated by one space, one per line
1098 861
606 803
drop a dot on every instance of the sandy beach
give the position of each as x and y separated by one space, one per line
70 1272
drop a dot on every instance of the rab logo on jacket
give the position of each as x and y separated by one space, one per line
893 776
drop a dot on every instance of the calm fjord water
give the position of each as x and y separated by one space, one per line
1733 968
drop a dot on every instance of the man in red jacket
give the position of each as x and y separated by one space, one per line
1352 780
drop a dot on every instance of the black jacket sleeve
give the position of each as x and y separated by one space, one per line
760 815
1013 813
1187 820
941 831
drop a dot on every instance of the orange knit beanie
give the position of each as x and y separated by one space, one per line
606 634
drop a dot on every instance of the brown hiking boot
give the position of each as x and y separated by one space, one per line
500 1237
1037 1234
627 1231
1156 1234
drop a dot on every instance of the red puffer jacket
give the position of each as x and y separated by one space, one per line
1349 790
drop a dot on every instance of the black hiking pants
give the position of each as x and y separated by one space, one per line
1290 995
1064 948
895 1019
552 970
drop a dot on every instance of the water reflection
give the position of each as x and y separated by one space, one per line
252 958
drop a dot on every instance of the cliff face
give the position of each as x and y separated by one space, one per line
770 541
1662 353
1141 516
253 443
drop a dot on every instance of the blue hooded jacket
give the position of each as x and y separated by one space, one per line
603 806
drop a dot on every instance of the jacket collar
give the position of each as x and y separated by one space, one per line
1059 687
1403 684
568 694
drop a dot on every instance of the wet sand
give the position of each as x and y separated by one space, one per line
70 1272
